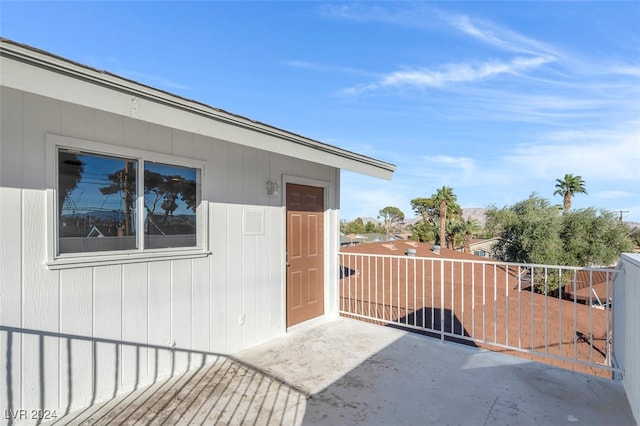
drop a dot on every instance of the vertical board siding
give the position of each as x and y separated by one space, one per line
107 326
276 297
219 281
181 312
41 309
79 120
76 356
135 306
10 256
11 138
47 114
200 305
159 322
92 333
181 143
11 175
136 134
158 140
11 296
235 284
626 326
109 129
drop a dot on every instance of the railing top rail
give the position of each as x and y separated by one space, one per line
612 270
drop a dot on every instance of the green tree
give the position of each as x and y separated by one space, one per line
355 227
568 187
529 231
370 227
593 237
534 231
635 237
391 217
445 199
423 232
426 208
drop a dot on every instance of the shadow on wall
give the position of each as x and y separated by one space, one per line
214 389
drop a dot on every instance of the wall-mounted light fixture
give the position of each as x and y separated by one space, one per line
273 189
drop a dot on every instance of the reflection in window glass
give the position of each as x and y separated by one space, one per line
171 196
96 202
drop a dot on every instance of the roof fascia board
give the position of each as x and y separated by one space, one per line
37 72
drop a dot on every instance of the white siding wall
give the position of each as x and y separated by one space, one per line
626 323
78 336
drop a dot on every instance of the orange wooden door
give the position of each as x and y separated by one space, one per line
305 253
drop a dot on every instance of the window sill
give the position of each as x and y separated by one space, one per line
119 259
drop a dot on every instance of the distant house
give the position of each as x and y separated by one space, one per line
348 241
483 247
142 233
351 240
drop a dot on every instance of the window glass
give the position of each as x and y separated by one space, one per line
171 196
96 202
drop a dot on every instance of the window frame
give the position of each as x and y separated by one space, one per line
56 260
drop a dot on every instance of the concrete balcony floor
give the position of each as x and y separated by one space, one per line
347 372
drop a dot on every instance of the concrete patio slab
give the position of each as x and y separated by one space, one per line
347 372
358 373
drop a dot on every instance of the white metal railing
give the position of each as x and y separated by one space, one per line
543 310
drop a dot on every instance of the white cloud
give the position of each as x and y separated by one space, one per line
631 71
449 74
595 154
464 164
421 16
314 66
502 38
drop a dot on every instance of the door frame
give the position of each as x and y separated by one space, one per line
330 206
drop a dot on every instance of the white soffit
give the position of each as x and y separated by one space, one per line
31 70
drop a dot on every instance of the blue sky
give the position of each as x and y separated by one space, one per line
494 99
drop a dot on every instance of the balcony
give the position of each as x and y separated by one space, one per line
348 371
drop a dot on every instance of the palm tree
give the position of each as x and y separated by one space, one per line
568 187
443 198
455 226
471 226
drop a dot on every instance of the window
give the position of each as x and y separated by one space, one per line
170 200
96 202
114 200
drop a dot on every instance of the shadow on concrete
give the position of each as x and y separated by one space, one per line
214 389
437 323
